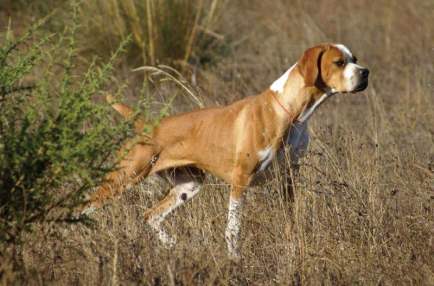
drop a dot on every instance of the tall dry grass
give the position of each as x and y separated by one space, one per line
363 211
170 32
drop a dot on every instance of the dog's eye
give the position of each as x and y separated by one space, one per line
340 63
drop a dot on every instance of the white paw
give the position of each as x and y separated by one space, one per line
234 255
88 210
233 250
166 240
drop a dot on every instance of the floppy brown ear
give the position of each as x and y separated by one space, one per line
310 63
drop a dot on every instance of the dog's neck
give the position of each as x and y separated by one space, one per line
294 100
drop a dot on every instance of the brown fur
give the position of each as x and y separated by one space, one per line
221 140
224 141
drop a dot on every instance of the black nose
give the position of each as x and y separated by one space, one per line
364 73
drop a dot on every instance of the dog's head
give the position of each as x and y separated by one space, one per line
332 67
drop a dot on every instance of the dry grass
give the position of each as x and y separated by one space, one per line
363 211
163 31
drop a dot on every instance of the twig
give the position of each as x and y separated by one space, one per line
159 70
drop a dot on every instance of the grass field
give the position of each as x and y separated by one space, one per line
363 211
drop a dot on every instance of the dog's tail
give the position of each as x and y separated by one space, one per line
127 112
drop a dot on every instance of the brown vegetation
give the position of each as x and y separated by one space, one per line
363 211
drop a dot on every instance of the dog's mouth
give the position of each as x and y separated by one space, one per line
362 86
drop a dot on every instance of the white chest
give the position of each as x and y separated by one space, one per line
265 156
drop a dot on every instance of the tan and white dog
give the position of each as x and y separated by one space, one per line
233 142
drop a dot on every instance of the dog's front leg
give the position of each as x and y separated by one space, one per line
232 234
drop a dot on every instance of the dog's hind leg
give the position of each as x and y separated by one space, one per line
183 191
134 166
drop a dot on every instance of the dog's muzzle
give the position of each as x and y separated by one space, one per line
363 80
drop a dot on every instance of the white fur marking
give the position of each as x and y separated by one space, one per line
265 157
232 233
349 70
350 75
344 50
279 85
190 189
167 240
308 113
88 211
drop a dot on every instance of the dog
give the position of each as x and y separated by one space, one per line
234 142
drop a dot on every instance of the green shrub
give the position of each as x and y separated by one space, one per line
55 139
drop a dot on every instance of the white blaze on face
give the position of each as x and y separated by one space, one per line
351 69
344 50
279 85
350 75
